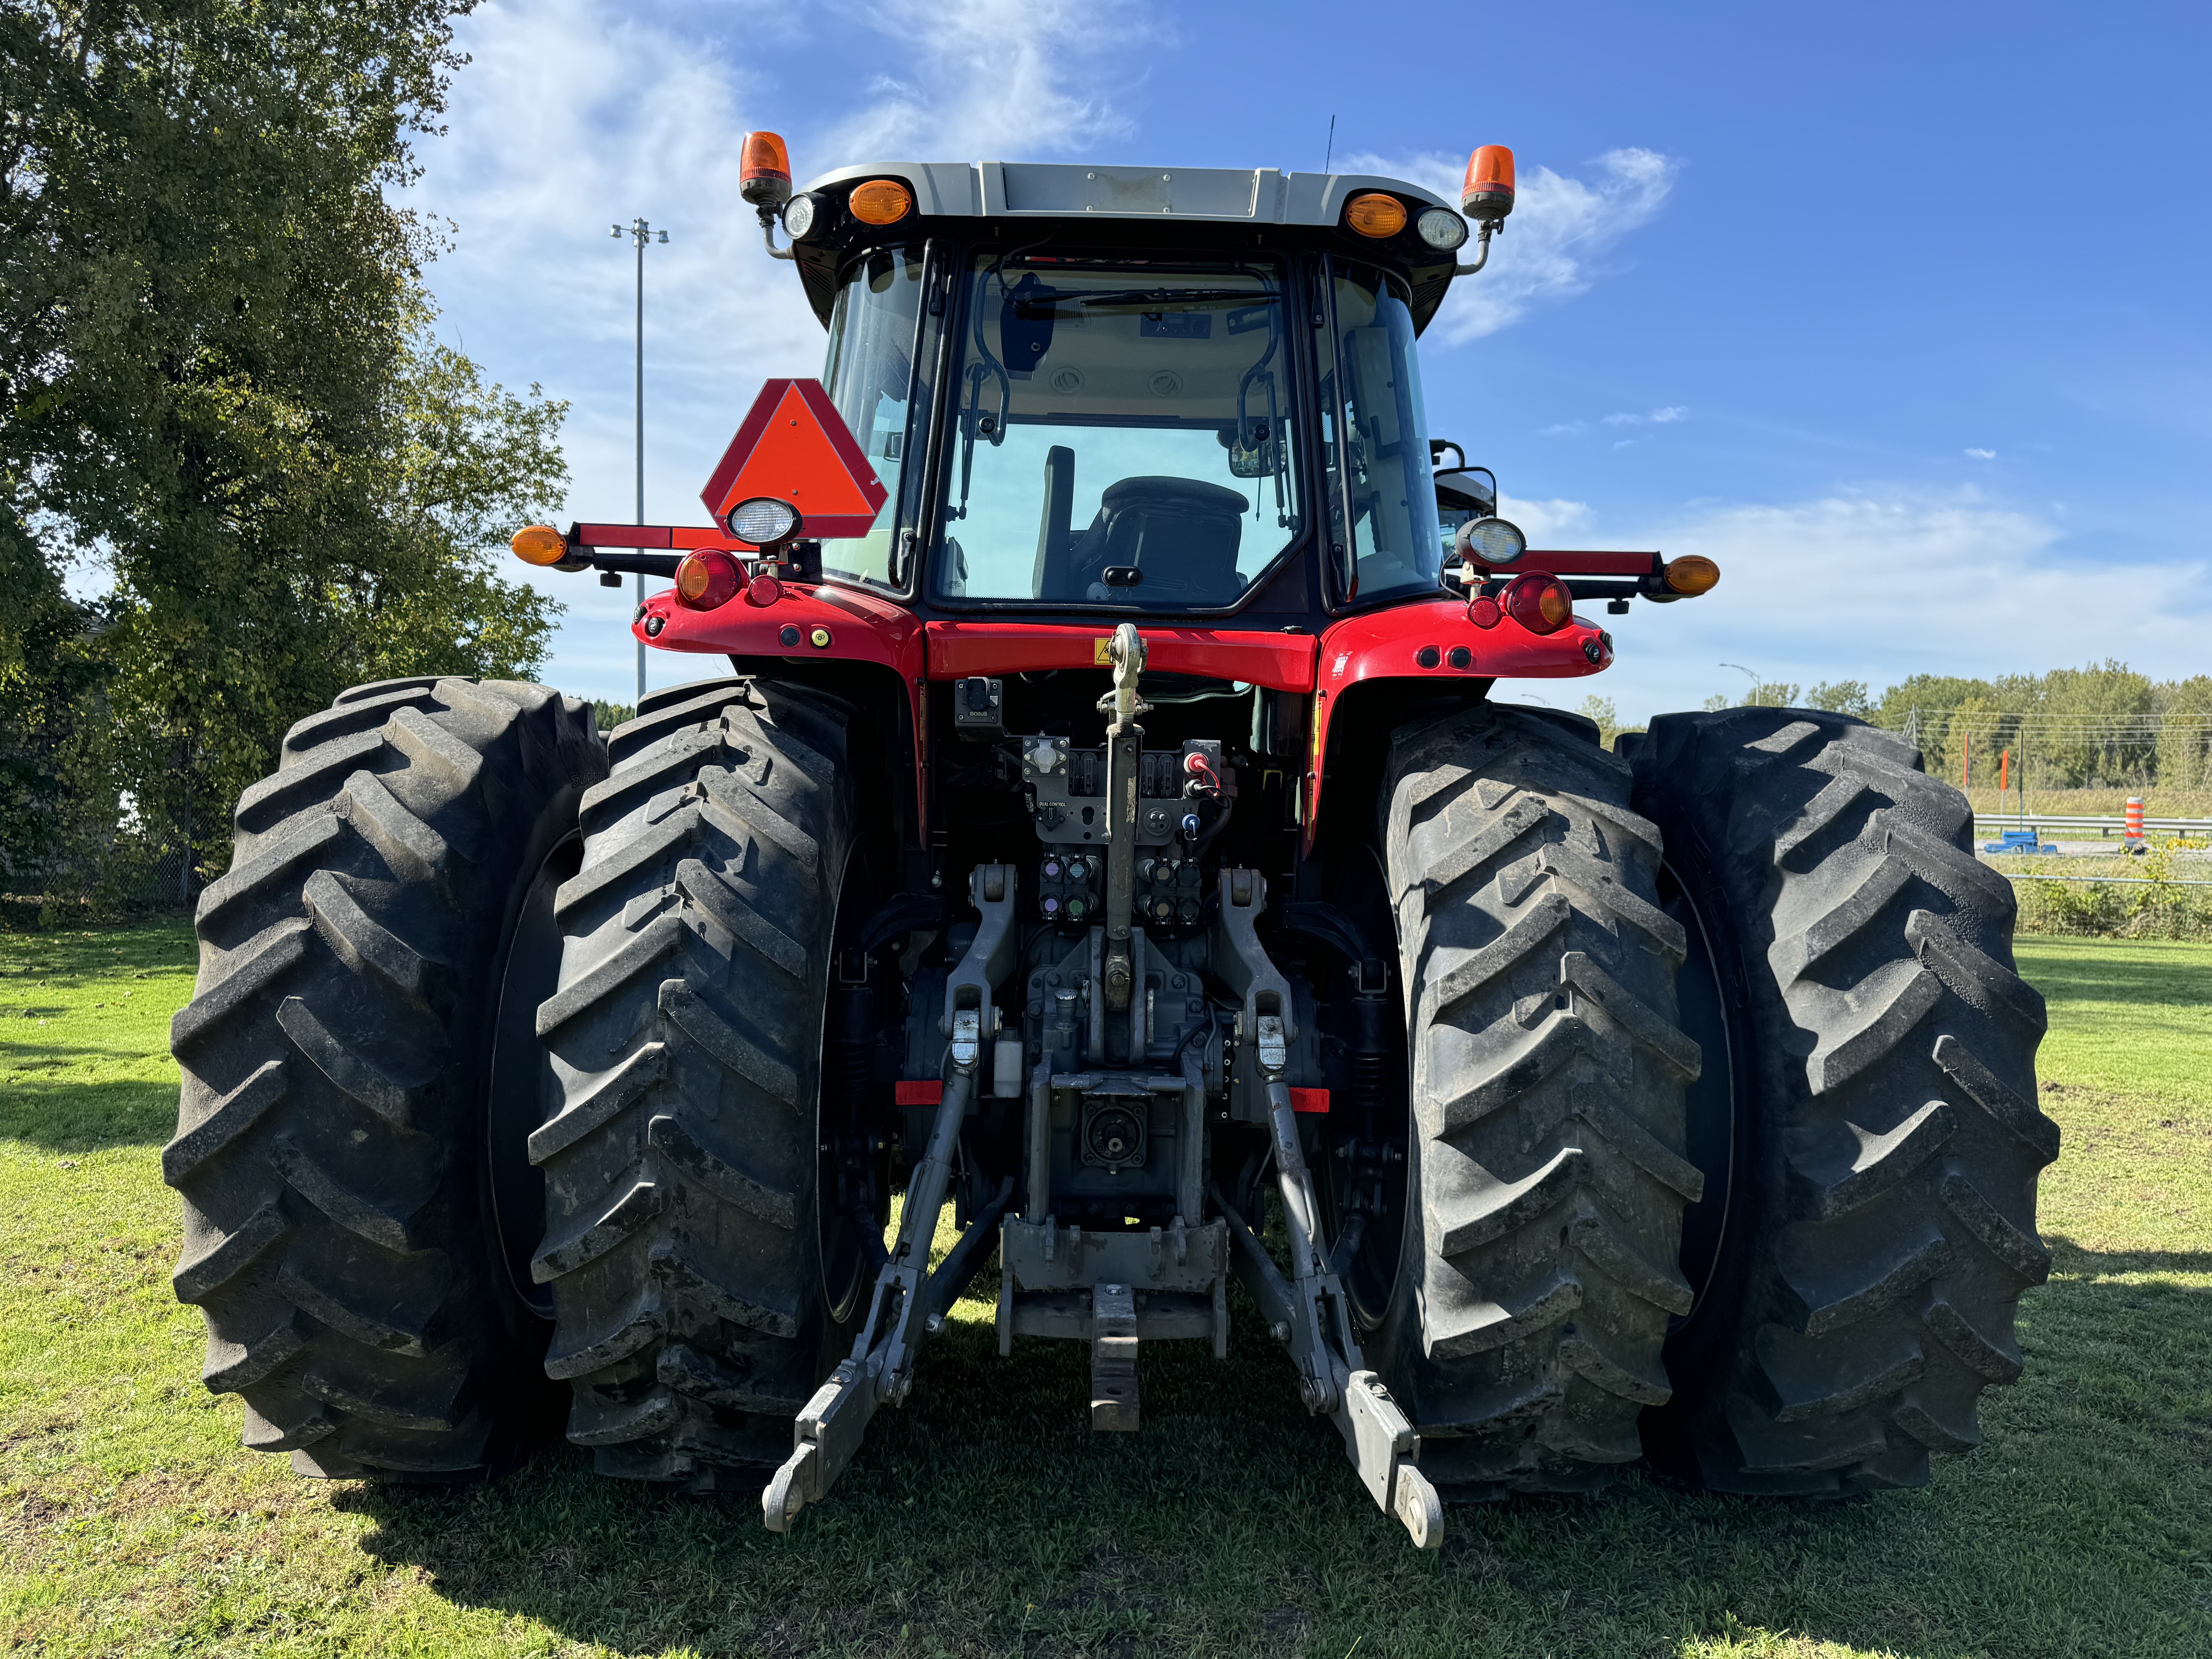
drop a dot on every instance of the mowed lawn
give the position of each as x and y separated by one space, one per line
987 1518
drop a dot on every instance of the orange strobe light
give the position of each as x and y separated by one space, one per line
1375 213
881 202
539 544
1691 574
1487 193
764 170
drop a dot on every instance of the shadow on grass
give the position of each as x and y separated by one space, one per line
73 1118
987 1517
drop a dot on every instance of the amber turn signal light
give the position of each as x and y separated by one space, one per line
880 201
764 170
539 544
707 578
1538 601
1375 213
1691 574
1487 191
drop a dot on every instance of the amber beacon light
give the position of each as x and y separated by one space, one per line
764 170
1691 574
1487 194
539 544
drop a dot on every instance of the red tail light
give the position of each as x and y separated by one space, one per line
763 590
708 579
1538 601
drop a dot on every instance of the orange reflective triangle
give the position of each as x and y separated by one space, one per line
795 447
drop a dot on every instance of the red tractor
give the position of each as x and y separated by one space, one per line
1107 822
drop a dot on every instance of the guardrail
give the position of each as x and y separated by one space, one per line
2115 881
2060 821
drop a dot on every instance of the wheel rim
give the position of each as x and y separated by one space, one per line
851 1175
1363 1144
1710 1103
516 1094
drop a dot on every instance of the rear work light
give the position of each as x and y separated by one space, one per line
764 170
1441 228
763 521
1538 601
1691 574
539 544
707 578
1491 541
880 201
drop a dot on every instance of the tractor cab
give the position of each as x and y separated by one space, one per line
1129 391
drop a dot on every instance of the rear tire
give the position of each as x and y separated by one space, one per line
1868 1118
683 1246
334 1145
1546 1181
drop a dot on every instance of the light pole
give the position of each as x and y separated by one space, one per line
641 233
1738 666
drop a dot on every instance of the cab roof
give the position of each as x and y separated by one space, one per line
1196 208
1260 196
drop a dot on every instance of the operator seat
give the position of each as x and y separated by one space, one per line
1180 534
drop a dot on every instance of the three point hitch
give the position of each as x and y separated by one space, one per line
1114 1289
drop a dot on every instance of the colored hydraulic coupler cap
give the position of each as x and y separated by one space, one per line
819 639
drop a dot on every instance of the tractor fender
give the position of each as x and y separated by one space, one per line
810 621
1415 643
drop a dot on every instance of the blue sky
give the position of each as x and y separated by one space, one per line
1899 311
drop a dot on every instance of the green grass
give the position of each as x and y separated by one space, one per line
986 1518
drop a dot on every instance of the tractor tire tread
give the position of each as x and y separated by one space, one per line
333 1231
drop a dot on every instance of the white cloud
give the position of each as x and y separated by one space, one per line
1876 584
574 114
1657 417
1563 429
1982 454
1043 60
1546 523
1550 249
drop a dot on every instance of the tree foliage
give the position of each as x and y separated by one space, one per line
220 397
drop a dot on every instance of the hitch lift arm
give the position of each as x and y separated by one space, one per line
908 1302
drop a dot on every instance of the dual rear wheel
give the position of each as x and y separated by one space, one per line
1721 1123
1718 1100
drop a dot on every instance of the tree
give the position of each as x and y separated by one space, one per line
1843 697
217 386
1601 710
2185 738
